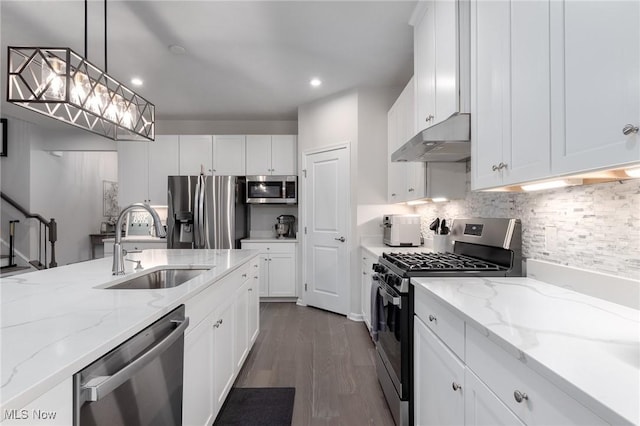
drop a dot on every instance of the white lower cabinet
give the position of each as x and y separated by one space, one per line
439 380
277 268
463 378
224 326
483 407
52 408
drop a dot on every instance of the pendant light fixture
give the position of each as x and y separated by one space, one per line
63 85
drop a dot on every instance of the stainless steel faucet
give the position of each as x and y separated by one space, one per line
118 255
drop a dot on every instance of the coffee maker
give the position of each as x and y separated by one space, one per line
285 226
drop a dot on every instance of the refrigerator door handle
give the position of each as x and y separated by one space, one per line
201 230
196 217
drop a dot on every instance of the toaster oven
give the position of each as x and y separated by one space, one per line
401 230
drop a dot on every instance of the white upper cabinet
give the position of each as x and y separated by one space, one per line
510 92
143 168
436 61
271 155
595 69
401 127
228 155
196 154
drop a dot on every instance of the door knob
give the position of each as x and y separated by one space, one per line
630 128
341 239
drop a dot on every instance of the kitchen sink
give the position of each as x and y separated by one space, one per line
161 278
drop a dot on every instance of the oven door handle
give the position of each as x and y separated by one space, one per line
395 301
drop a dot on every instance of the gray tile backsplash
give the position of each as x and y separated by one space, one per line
594 227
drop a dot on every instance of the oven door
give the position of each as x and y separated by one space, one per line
393 337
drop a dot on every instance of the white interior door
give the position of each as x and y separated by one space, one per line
327 283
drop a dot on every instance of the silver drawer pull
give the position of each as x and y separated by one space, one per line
432 318
218 323
244 275
456 386
520 396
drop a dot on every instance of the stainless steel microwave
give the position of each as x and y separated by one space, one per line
272 189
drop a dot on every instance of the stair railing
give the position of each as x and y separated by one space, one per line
50 228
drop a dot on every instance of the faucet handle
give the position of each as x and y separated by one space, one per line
138 264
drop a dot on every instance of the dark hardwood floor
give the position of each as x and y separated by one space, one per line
326 357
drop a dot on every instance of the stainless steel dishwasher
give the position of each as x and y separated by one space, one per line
137 383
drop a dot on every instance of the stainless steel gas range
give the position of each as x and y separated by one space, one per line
481 247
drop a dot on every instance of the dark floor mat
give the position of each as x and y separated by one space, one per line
257 407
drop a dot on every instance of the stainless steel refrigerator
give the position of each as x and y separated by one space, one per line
206 212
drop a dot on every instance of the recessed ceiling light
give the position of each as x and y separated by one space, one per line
136 81
315 82
177 50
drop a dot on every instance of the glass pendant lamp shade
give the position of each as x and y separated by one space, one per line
61 84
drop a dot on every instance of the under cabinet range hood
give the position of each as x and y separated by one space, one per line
446 141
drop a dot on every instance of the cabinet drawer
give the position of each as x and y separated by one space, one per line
144 246
445 324
505 375
271 247
200 305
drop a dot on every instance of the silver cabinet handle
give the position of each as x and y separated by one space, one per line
502 166
432 318
341 239
411 189
494 168
393 195
630 128
520 396
429 118
256 265
218 323
250 289
244 275
456 386
110 383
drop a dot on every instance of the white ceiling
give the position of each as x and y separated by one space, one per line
245 60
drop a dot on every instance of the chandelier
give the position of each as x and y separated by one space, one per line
61 84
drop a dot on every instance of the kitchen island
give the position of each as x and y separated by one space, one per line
56 321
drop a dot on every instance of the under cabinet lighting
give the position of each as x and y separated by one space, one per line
551 184
136 81
416 202
439 200
315 82
635 172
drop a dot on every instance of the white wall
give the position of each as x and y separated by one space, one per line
66 187
230 127
359 117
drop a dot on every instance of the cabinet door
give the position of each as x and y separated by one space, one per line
241 325
254 303
284 152
163 162
482 407
258 161
437 374
229 155
396 172
416 181
133 172
446 59
527 154
264 275
595 64
282 274
490 120
366 291
223 347
196 152
424 39
197 398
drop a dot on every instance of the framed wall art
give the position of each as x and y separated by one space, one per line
3 135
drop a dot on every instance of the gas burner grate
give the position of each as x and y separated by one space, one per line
420 262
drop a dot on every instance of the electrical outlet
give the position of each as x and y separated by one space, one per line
550 238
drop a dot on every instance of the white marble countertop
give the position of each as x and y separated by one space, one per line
137 239
269 240
588 347
54 322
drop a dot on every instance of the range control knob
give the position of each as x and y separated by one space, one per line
397 281
378 267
